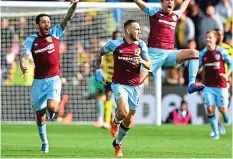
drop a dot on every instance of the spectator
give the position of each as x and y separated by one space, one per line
185 31
180 116
212 22
224 9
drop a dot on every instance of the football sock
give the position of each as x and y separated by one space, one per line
42 132
225 117
213 123
108 111
122 133
117 120
100 109
193 68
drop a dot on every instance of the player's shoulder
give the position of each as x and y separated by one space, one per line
203 51
221 49
117 42
32 37
140 43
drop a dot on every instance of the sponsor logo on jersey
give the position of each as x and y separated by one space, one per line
49 48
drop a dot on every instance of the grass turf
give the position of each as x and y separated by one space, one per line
143 141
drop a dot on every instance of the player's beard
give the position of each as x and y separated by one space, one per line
42 31
134 38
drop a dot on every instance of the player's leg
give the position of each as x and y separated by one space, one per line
41 125
157 57
209 101
128 121
53 95
108 104
39 105
121 97
222 103
193 56
123 130
100 108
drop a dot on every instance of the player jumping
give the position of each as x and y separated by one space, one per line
161 41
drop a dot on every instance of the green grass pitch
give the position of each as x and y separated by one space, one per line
143 141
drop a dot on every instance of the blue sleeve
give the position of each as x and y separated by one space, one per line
57 31
227 58
28 44
202 52
151 10
112 45
145 54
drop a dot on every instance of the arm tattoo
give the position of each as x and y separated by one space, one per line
69 15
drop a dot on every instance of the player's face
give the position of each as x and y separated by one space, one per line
135 31
44 25
210 39
221 35
168 6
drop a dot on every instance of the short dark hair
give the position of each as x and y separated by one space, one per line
41 15
129 22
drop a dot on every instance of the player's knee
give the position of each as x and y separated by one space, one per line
40 118
123 115
53 108
194 53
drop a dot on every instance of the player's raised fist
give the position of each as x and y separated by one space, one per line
74 1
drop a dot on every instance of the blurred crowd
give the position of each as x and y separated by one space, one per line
78 52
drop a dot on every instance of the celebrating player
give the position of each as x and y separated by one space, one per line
46 87
161 41
213 58
129 54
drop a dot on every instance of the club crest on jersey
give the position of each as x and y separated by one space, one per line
174 17
137 51
49 39
217 57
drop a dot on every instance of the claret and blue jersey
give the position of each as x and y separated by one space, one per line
45 52
126 69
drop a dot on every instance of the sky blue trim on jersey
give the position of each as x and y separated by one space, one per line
112 45
201 54
57 31
150 11
28 43
145 54
178 13
225 56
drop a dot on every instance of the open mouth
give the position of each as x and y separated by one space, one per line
46 30
169 7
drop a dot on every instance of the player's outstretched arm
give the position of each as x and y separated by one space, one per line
69 14
98 71
140 3
184 5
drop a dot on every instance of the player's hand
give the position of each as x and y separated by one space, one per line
74 1
24 69
224 76
139 59
99 76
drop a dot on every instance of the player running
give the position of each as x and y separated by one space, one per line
129 54
46 87
213 58
161 41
